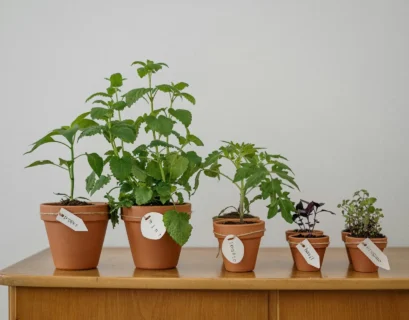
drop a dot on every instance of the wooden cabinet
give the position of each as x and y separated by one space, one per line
200 288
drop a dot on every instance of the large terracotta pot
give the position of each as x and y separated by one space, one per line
343 236
319 244
360 261
251 241
76 250
146 253
294 233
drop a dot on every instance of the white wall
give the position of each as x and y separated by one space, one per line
324 83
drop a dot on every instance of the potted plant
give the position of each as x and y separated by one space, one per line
153 178
72 250
260 175
362 219
306 218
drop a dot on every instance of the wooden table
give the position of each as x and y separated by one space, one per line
200 288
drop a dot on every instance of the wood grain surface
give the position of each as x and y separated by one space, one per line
199 269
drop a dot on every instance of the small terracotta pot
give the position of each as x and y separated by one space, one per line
76 250
255 219
343 235
146 253
294 233
360 261
319 244
251 242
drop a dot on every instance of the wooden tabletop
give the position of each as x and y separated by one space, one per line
200 269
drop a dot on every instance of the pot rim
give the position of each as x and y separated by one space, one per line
354 240
255 223
244 231
323 241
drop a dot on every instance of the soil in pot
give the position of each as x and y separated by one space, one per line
235 216
318 242
146 253
344 233
360 262
295 232
76 250
249 233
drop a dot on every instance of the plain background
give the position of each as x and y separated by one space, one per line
324 83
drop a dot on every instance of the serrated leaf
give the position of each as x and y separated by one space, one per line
195 140
162 124
286 207
243 173
138 172
272 211
124 131
116 80
177 165
139 62
134 95
256 178
119 105
121 167
96 163
100 183
164 88
91 131
126 187
184 116
44 140
90 182
79 118
193 158
142 195
100 102
188 97
66 163
142 71
100 113
153 170
197 181
69 132
180 85
40 163
86 123
211 158
98 94
178 226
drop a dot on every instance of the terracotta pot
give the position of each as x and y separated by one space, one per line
251 242
294 233
360 261
146 253
255 219
343 235
319 244
76 250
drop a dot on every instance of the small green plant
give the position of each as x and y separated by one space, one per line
255 170
65 136
361 216
156 173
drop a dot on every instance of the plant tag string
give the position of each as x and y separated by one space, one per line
152 226
233 249
71 220
308 252
374 254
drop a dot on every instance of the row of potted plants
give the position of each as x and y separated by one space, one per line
154 180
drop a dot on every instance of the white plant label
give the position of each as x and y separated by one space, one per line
374 254
308 252
71 220
152 226
233 249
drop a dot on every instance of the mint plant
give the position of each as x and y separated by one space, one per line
306 218
156 173
361 216
65 136
255 170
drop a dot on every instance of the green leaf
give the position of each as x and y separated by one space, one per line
100 102
178 226
272 210
193 158
177 165
162 124
243 173
138 172
116 80
69 132
79 118
91 131
67 163
188 97
180 86
160 143
269 187
184 116
96 163
124 131
153 170
98 94
90 182
164 88
142 195
40 163
100 183
44 140
211 158
197 181
126 187
86 123
286 207
164 191
134 95
100 113
119 105
256 178
121 167
111 91
142 71
195 140
139 62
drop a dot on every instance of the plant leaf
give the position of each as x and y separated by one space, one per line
195 140
44 140
121 167
96 163
119 105
134 95
90 182
211 158
153 170
188 97
180 86
102 181
162 124
40 163
184 116
98 94
116 80
91 131
177 165
79 118
142 195
124 131
178 226
100 113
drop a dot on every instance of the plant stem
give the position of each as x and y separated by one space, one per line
241 206
120 119
71 172
153 132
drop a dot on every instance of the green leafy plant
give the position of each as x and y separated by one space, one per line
65 136
255 170
156 173
361 216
